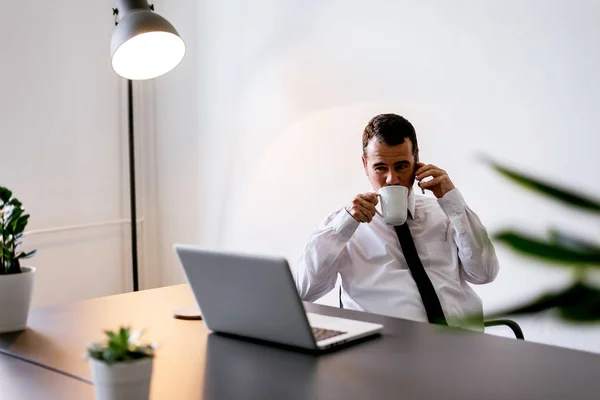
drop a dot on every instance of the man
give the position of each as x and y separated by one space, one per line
451 243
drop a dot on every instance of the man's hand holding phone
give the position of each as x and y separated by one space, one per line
439 185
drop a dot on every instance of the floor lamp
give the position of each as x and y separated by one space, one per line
143 46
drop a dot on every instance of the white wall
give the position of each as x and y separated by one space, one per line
170 116
284 89
63 147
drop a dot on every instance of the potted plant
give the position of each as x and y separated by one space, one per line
16 282
122 366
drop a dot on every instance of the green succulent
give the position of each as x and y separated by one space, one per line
13 221
120 346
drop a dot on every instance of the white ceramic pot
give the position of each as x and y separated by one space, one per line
122 381
16 291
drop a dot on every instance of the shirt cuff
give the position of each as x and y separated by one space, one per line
344 223
453 203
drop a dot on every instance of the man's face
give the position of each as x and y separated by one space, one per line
389 165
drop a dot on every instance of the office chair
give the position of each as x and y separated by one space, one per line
510 323
496 322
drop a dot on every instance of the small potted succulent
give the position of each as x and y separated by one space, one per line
16 282
122 366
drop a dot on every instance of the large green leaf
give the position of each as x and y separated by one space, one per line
561 194
15 202
15 216
20 224
25 255
579 303
5 194
573 243
556 253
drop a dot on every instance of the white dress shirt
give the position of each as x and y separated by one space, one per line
452 244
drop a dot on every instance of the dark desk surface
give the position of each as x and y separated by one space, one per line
410 360
25 381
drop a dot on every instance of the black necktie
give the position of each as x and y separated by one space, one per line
435 314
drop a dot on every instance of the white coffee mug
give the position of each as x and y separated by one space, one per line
394 204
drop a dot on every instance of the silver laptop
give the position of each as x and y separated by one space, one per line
255 297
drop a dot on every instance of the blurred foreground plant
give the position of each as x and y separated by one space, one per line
581 301
120 346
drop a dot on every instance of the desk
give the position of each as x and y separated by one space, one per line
25 381
410 360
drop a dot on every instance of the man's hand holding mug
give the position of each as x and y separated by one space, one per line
393 205
362 207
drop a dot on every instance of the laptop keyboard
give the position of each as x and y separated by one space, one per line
322 334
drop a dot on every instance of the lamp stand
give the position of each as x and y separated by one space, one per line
135 18
132 191
131 148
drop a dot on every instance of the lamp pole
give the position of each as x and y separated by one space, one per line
132 186
132 190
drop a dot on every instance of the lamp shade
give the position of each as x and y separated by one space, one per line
144 45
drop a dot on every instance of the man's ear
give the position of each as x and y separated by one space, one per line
364 161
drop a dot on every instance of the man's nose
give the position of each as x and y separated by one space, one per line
392 178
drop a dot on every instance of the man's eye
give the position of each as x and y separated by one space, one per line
401 167
379 168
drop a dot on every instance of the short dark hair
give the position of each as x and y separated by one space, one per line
391 130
